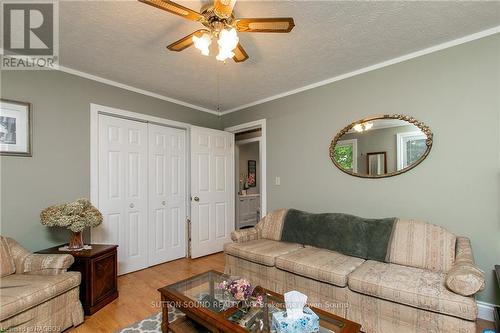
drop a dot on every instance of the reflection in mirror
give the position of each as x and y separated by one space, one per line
381 146
376 163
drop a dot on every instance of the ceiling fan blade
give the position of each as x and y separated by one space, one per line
240 54
278 24
186 42
224 8
175 8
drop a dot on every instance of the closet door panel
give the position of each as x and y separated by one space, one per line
178 197
123 192
167 196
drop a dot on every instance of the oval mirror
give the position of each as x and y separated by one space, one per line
382 146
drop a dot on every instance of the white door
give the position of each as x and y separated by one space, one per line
212 177
167 194
123 190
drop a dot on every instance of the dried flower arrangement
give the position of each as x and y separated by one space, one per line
242 290
75 216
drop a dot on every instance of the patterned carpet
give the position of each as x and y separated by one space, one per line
151 324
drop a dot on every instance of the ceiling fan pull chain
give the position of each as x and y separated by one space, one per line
217 87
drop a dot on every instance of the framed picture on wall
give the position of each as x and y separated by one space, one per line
15 128
252 173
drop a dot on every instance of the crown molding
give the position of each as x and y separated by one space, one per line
393 61
134 89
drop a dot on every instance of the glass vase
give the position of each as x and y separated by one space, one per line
76 241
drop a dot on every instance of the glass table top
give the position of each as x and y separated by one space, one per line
205 291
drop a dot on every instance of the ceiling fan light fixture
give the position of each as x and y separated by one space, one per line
228 41
203 43
224 55
368 126
362 127
218 18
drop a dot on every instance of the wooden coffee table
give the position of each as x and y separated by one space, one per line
204 303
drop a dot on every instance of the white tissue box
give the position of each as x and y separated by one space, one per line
307 323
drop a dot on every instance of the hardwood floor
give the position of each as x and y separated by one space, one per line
139 297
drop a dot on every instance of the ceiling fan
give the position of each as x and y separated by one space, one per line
220 24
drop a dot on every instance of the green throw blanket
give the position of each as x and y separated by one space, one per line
347 234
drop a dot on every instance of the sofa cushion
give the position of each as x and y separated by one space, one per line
7 265
271 225
465 279
420 288
261 251
423 245
23 291
319 264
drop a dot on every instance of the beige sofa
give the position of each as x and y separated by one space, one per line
37 294
427 283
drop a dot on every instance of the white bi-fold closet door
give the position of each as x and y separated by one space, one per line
167 194
141 191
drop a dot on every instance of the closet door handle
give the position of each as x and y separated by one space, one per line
196 199
163 203
131 205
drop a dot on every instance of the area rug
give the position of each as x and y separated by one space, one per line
151 324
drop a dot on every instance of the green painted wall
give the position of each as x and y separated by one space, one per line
59 170
455 91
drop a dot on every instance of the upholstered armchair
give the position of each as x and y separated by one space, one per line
37 290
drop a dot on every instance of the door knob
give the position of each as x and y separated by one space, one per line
163 203
131 205
196 199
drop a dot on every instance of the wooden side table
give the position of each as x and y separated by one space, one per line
98 267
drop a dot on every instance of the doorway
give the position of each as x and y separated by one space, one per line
250 173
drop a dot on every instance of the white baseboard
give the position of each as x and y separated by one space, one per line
485 310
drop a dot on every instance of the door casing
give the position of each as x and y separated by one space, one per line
261 123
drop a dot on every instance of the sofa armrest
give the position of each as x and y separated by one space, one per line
245 235
43 264
465 278
47 264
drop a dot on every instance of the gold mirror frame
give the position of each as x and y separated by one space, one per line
424 128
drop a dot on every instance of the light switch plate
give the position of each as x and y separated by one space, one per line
277 181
